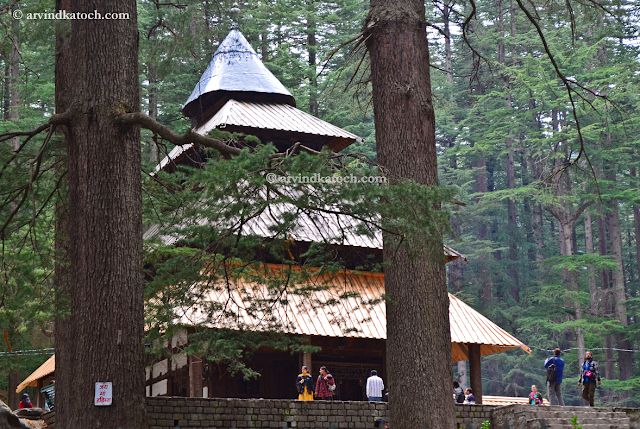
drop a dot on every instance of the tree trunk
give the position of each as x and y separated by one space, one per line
416 286
100 301
610 369
593 284
311 51
153 109
14 108
636 225
619 290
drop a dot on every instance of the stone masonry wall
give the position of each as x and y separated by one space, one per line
217 413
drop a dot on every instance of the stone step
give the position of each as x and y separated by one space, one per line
554 423
582 415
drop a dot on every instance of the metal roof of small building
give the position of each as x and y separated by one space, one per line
329 308
278 122
235 70
508 400
44 370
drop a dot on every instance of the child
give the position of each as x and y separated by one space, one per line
535 398
469 398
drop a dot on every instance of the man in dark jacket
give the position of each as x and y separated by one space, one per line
589 373
554 387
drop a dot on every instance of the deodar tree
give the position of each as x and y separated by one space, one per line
418 337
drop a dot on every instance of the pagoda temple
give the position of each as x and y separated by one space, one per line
237 93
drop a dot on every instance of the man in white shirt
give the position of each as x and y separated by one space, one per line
375 386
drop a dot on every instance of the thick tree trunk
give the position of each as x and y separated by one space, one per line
416 286
100 315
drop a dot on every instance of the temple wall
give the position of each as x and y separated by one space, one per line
173 412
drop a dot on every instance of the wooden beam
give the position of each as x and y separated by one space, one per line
475 368
195 377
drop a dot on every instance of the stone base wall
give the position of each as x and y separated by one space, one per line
217 413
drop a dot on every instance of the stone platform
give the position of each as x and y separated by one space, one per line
217 413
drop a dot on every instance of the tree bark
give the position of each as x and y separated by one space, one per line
593 284
311 51
636 225
610 369
619 290
100 301
153 109
14 107
415 285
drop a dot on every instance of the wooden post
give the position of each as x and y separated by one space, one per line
39 396
475 368
306 360
195 377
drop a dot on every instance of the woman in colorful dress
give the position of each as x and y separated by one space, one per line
535 398
304 383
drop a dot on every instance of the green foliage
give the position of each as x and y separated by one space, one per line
574 423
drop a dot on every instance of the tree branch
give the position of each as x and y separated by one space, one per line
146 122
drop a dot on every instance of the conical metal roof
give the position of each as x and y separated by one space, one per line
235 72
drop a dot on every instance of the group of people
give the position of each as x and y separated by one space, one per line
461 397
589 375
325 385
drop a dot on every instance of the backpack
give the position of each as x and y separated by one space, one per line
331 387
460 398
551 372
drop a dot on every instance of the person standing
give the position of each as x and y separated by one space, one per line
555 364
325 385
304 384
375 386
589 373
458 394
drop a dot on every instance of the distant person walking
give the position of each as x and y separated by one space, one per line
555 369
589 373
325 385
375 386
304 384
458 394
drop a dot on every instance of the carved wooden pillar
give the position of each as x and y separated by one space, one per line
475 368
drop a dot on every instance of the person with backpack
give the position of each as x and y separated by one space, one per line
555 369
325 385
589 373
458 394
